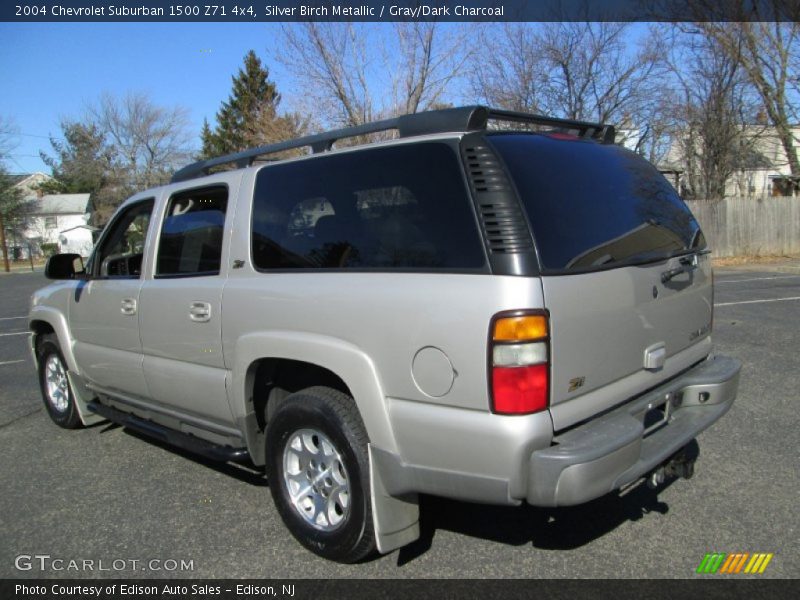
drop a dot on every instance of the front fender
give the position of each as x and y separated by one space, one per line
55 319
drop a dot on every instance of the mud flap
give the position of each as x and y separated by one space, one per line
396 519
82 397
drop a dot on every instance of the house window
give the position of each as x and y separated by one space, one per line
51 222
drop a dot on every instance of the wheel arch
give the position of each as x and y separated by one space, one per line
45 320
265 361
51 322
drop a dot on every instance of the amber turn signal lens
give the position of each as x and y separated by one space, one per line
528 327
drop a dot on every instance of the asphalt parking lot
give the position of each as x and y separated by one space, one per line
106 494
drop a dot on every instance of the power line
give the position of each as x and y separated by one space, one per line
44 137
17 163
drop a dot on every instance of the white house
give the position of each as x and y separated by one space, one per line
60 219
763 171
77 240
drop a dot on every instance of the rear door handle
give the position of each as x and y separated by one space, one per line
200 312
128 306
687 264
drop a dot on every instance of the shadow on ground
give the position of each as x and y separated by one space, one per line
561 528
545 528
245 472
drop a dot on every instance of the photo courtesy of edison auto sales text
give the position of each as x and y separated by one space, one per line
125 589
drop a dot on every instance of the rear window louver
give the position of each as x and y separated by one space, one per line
501 217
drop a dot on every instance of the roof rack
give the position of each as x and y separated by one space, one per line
466 119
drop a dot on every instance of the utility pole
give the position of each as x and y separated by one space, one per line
3 242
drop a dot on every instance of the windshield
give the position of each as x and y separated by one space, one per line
594 206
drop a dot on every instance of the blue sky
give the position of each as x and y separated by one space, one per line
52 70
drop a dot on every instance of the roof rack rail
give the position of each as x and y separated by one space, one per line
466 119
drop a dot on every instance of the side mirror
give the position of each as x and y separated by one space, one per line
64 266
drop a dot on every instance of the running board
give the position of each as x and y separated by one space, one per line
170 436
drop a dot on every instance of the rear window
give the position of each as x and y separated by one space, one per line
595 206
403 207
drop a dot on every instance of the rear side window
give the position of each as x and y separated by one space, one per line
403 207
594 206
191 236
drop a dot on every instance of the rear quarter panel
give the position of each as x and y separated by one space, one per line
386 318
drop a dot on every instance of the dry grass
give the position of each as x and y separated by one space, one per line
752 260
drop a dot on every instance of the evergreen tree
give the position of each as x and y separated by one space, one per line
13 207
81 162
250 116
207 140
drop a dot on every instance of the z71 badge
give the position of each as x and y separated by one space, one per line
575 383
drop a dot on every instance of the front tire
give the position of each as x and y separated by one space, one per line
318 471
56 391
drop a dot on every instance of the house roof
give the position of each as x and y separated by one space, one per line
18 178
753 159
21 179
61 204
87 227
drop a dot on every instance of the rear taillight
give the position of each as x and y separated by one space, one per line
519 350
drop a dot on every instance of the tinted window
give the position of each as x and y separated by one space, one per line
594 206
398 207
191 237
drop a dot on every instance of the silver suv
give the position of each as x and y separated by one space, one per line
491 306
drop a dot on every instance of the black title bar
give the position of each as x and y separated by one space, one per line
247 11
705 588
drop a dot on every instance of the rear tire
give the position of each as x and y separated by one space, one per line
56 390
318 471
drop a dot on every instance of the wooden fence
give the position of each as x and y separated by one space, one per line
750 226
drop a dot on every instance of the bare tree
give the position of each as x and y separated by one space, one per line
8 133
713 112
769 53
355 72
148 141
512 70
120 145
765 42
431 58
576 70
330 63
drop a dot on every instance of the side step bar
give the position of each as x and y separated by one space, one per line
170 436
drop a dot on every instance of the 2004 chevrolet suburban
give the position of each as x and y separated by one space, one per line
491 306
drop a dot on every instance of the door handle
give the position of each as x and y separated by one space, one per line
200 312
128 306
